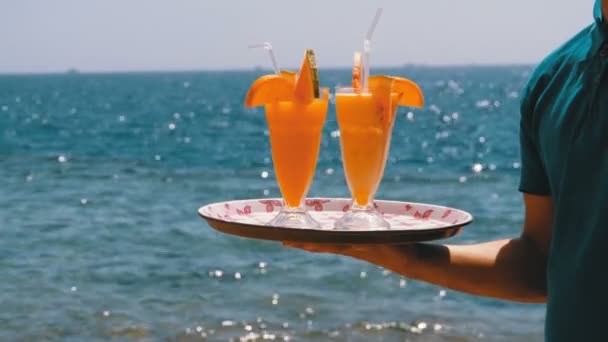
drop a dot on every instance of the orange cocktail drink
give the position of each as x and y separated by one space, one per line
364 140
295 138
366 117
296 109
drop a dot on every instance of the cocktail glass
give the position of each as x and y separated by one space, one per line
295 138
295 108
365 120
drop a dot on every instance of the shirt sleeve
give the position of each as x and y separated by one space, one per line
533 178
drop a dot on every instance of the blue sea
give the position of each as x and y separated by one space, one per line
101 176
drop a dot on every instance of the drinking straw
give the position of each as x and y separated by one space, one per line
367 47
268 47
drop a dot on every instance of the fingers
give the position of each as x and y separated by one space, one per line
343 249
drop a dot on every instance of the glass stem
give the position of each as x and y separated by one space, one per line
290 209
362 208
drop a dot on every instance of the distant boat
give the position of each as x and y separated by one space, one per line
72 71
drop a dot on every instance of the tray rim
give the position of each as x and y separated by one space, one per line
350 237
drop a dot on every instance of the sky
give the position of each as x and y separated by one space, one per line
142 35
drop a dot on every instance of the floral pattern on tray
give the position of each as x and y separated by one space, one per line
401 215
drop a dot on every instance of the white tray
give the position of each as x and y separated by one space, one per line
410 222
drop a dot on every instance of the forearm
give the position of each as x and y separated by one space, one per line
506 269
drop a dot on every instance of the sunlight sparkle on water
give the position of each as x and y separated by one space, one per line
228 323
483 104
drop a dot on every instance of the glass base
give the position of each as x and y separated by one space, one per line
294 218
362 218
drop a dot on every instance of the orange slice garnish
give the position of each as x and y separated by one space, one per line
409 92
270 88
380 87
397 91
307 81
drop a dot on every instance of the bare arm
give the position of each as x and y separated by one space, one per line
512 269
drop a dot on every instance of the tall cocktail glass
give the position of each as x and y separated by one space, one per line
365 120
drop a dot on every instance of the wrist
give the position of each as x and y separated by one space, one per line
396 258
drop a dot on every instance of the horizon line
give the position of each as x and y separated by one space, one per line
76 71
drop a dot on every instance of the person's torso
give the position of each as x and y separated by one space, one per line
571 116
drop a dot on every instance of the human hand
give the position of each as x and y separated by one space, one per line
385 255
352 250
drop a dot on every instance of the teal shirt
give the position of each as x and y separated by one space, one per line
564 148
